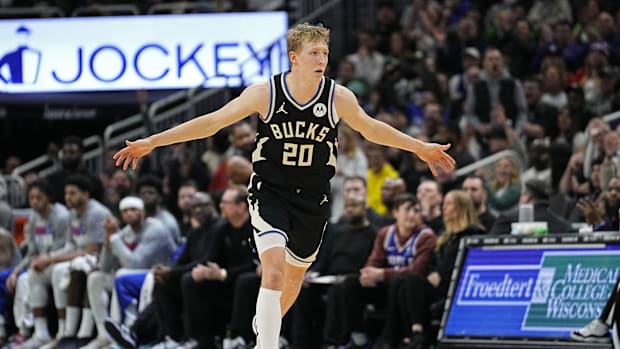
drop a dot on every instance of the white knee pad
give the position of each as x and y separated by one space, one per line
269 239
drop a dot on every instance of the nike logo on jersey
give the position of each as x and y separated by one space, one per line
281 109
324 200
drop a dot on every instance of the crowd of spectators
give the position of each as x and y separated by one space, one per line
535 77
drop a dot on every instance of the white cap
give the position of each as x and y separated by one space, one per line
131 202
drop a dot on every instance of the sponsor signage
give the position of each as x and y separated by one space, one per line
141 52
536 291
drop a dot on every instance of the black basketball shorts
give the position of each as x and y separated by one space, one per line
294 218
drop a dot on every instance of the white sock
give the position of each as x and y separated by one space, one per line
73 320
61 328
40 327
268 318
359 338
88 324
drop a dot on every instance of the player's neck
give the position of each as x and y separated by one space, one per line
302 86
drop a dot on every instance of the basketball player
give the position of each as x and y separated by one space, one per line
293 160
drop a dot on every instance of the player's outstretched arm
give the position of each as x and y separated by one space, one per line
253 99
379 132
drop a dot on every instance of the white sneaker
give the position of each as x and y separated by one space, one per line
190 344
51 344
234 343
168 343
35 342
97 343
595 332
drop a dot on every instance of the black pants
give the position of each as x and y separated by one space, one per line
146 327
169 300
244 305
308 316
207 308
198 310
610 303
350 299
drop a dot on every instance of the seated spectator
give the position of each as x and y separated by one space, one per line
422 290
86 237
46 234
150 189
602 214
475 187
345 250
356 186
144 331
505 189
351 162
185 196
9 259
141 244
400 249
535 192
121 185
430 197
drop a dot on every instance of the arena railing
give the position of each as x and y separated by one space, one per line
106 10
182 7
487 162
42 11
13 190
45 164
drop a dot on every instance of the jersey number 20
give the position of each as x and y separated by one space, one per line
295 154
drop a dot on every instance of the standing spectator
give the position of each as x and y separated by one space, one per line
72 163
506 187
554 84
540 116
545 12
475 187
378 170
368 62
422 290
400 249
495 87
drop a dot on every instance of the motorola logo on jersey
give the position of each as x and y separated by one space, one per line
118 53
319 110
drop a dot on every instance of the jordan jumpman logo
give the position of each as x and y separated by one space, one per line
281 109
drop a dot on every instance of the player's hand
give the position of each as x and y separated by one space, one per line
133 152
436 157
434 279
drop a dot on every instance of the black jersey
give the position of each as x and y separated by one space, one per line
296 143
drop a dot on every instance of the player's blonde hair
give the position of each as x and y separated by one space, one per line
306 31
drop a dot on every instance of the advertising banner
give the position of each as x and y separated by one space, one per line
541 291
141 52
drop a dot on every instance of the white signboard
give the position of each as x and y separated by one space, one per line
141 52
